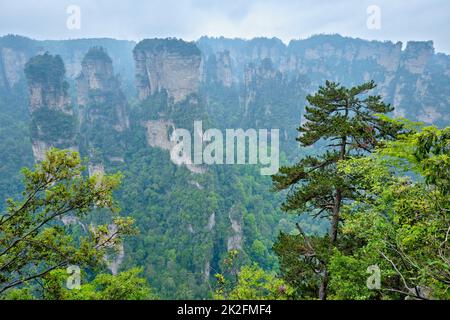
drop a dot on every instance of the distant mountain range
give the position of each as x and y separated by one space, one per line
117 101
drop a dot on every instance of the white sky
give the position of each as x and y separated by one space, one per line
401 20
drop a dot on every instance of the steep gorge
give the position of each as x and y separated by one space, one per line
53 121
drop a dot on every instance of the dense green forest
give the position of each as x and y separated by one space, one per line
381 183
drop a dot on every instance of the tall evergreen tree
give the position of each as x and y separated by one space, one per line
344 123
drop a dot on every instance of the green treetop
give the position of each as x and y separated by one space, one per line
401 219
33 239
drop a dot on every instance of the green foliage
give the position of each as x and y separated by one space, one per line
253 283
46 69
16 153
302 260
34 241
402 222
127 285
184 220
97 53
53 125
172 45
346 121
336 112
98 140
392 208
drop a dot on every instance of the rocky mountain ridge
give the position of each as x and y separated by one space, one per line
413 79
404 76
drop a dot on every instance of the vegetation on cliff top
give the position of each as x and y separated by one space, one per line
97 53
45 69
172 45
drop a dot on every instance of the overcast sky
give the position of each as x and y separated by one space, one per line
401 20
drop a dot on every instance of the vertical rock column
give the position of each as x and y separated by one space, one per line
103 109
53 123
169 64
171 67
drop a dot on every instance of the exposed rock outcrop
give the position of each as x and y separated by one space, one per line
167 64
272 99
113 261
98 86
172 67
259 77
158 133
416 56
241 52
103 106
13 63
211 222
422 84
158 136
235 240
15 51
53 119
415 80
96 169
219 69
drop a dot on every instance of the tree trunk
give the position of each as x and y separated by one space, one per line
337 198
334 224
323 286
335 217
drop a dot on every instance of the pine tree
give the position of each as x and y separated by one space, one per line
344 123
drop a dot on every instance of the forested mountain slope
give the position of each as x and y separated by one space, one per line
117 102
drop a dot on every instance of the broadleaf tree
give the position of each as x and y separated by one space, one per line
34 240
402 220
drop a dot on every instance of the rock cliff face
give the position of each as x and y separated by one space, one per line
169 68
12 63
15 51
167 64
258 78
97 85
415 80
420 89
219 69
272 99
158 136
73 52
235 240
158 133
417 56
53 119
241 52
177 66
103 107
